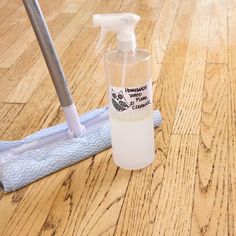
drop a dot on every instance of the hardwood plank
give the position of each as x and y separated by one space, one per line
136 219
175 203
97 198
232 162
164 27
210 211
14 36
13 50
29 205
6 27
23 91
232 116
10 34
22 32
188 113
3 71
153 7
8 112
49 8
217 42
18 16
9 8
17 71
3 3
72 7
29 57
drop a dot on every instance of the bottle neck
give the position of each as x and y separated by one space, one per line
127 46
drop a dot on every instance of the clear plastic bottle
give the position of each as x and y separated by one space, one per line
132 131
130 93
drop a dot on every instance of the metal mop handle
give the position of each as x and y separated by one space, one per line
45 42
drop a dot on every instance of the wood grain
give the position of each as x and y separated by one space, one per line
8 113
15 50
94 207
23 91
176 198
164 27
29 205
211 217
23 34
190 187
232 116
217 50
191 91
10 34
9 8
3 71
18 70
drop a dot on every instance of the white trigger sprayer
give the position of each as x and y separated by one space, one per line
130 93
122 24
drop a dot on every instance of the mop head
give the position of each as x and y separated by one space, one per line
21 170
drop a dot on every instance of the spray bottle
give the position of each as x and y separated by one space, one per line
130 93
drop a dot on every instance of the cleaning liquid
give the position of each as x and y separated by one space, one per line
129 92
132 141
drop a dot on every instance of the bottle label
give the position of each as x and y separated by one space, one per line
126 99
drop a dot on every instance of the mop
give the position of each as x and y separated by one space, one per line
49 150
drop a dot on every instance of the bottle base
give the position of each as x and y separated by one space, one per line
138 167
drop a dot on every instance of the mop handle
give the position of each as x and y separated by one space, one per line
45 42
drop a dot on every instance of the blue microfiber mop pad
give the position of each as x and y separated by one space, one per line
51 130
32 165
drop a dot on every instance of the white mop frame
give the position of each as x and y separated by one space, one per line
25 161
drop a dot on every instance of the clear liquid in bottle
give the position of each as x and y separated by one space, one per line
130 108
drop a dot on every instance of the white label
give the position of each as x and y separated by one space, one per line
126 99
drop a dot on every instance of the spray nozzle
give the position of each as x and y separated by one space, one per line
123 24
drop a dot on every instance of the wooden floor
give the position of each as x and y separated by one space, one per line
191 187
